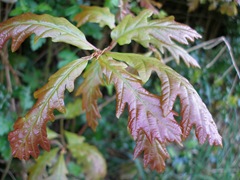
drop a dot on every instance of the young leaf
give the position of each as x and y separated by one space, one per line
159 33
155 153
101 15
90 92
145 113
193 111
149 128
38 169
59 171
93 162
30 131
59 29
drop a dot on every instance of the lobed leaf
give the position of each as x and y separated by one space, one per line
92 160
30 130
38 169
193 111
160 33
155 153
59 29
90 92
101 15
145 113
144 108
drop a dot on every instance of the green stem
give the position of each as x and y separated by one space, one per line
62 132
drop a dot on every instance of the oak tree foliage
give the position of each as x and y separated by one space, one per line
151 121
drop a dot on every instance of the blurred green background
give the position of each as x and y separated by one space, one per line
216 82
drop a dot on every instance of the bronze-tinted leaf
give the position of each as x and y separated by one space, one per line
155 153
193 111
90 92
30 130
145 113
59 29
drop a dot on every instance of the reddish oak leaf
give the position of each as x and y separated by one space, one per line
30 130
90 92
145 113
59 29
155 153
193 111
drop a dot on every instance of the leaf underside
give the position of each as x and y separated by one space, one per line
193 111
159 33
59 29
30 130
151 117
145 113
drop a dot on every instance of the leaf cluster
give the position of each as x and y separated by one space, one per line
151 121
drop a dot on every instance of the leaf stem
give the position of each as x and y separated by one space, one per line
62 132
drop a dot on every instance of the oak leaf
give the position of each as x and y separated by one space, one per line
30 130
193 111
144 108
90 92
160 33
59 29
155 153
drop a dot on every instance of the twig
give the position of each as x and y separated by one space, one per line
10 174
62 132
109 100
82 130
6 170
225 73
4 56
233 85
209 45
216 58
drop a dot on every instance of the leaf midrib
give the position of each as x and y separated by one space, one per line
144 27
46 24
50 96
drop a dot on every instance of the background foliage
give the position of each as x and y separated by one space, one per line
216 83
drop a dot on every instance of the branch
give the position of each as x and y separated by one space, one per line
209 45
